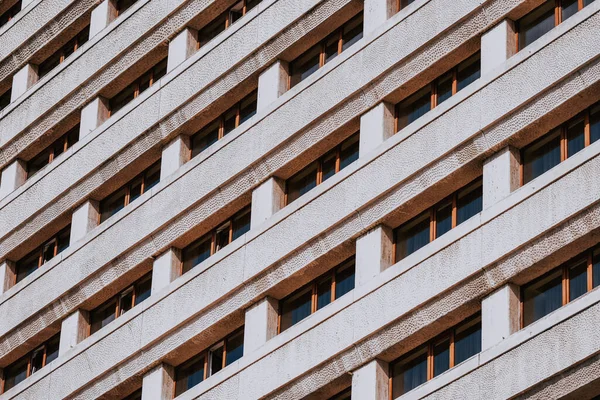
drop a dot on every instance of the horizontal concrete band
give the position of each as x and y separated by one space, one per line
528 202
41 23
103 59
539 352
474 258
262 258
162 109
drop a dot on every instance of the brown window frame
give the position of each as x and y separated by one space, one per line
29 357
563 129
314 285
75 42
587 255
337 150
12 12
449 334
206 355
40 250
228 19
453 199
339 32
399 5
558 19
133 289
51 154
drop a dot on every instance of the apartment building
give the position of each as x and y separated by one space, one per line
299 199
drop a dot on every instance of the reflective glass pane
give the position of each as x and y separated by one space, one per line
331 46
216 360
122 98
575 137
222 237
541 156
206 137
578 280
443 216
405 3
211 30
112 204
344 279
595 124
28 265
230 120
248 108
296 308
143 289
414 107
241 224
444 88
596 268
349 151
151 177
323 293
352 31
135 190
236 12
468 72
189 375
469 202
408 374
37 360
305 65
535 24
52 349
467 341
102 316
5 98
414 236
568 8
301 183
235 347
195 254
441 357
126 302
328 166
15 374
542 297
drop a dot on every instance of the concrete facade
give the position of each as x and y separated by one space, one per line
396 305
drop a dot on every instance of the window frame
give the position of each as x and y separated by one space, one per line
11 12
228 20
432 211
149 74
563 130
350 262
40 250
74 42
66 144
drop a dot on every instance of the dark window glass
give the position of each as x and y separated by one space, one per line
575 137
37 360
349 151
468 72
122 98
467 341
587 2
222 236
135 189
152 177
296 308
441 357
248 108
542 297
344 279
596 269
10 13
405 3
236 12
113 204
61 54
301 183
443 215
102 316
195 254
541 156
305 65
409 374
345 394
241 225
5 99
142 83
205 138
235 347
595 124
352 31
143 289
250 4
412 237
577 280
216 359
414 107
48 250
331 48
323 293
54 150
15 374
444 88
211 30
28 265
123 5
469 202
328 166
568 8
229 121
189 375
52 349
536 24
137 395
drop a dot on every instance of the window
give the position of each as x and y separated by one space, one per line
51 248
225 20
131 191
544 18
10 13
5 99
316 295
214 241
137 395
61 54
322 169
345 394
402 4
30 364
436 357
209 362
441 218
121 303
560 286
560 144
225 123
123 5
325 51
142 83
54 150
438 91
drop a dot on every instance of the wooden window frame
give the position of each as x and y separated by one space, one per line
29 356
558 19
136 86
336 151
40 250
565 268
453 199
314 285
206 355
63 50
564 150
450 335
51 154
11 12
228 22
322 44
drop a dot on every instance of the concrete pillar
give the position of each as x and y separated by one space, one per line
23 80
374 253
8 275
267 199
102 15
73 330
174 155
272 83
84 219
376 12
165 269
500 175
497 45
181 47
371 381
499 315
93 115
376 126
260 324
159 383
14 175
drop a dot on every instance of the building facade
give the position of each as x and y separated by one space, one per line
299 199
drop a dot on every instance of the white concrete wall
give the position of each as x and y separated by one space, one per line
165 269
374 253
498 45
260 323
371 381
500 315
272 83
13 176
104 13
174 155
182 47
267 199
376 126
501 175
377 12
73 330
7 275
25 78
85 218
158 384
